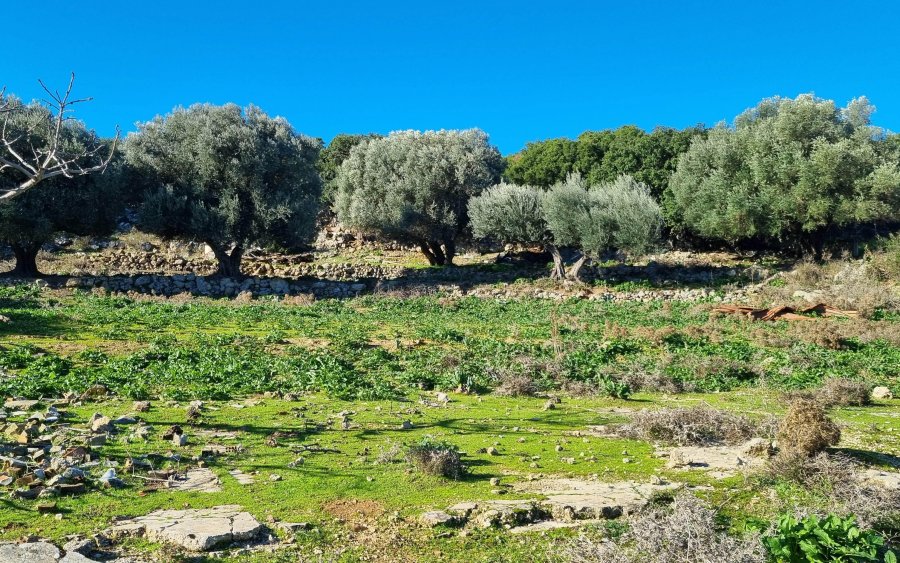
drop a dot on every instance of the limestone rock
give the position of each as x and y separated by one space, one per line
195 530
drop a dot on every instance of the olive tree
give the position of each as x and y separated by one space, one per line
34 143
231 177
788 171
619 215
414 187
514 214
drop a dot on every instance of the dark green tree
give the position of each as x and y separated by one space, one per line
231 177
331 158
542 163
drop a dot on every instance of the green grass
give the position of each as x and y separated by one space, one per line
372 357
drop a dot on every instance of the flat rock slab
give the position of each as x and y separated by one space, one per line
579 499
197 480
195 530
21 404
548 525
241 477
38 552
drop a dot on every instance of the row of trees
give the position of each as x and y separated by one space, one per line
785 172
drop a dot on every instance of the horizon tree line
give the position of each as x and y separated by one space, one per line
788 174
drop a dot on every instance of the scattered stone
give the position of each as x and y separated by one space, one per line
434 518
495 481
100 423
274 478
293 527
406 425
140 406
491 451
882 392
195 530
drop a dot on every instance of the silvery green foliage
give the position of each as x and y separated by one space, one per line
228 176
620 215
414 187
632 214
786 170
509 213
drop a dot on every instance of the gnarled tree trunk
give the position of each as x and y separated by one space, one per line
229 265
26 260
574 272
436 254
559 270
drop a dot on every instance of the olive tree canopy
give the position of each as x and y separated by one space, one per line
620 215
414 187
787 171
511 213
231 177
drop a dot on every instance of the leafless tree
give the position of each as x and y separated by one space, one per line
37 161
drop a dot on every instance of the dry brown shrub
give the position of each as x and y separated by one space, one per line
436 458
299 299
838 479
806 429
843 392
515 385
697 426
244 297
653 380
688 532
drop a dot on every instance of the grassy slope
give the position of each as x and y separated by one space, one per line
202 343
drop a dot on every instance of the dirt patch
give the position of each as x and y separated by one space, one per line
354 510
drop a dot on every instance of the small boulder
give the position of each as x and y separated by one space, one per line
434 518
882 392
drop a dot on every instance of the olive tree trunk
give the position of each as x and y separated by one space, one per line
229 264
559 271
436 254
26 260
574 272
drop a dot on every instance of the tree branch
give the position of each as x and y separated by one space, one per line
48 159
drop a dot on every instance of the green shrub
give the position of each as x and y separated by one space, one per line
811 539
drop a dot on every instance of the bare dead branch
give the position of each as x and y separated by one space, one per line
48 160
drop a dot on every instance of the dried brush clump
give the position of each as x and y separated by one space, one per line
515 385
697 426
843 392
839 480
806 429
687 532
436 458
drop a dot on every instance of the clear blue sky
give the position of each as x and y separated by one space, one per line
521 71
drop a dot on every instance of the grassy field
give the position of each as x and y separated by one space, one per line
316 393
